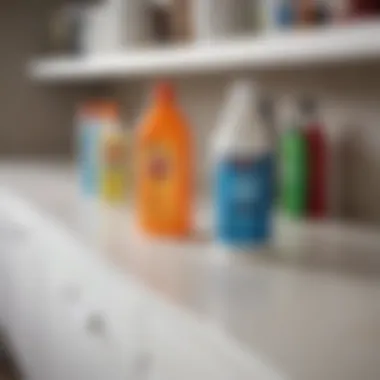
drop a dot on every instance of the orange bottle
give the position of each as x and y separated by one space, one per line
164 168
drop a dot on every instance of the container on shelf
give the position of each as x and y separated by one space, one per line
306 12
324 12
285 14
314 12
275 15
113 25
218 19
161 21
364 8
243 171
264 13
170 21
340 11
65 26
182 28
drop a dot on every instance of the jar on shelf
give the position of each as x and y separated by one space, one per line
272 15
364 8
113 25
314 12
160 21
218 19
64 28
181 22
340 10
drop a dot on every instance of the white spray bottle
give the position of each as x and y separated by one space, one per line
243 171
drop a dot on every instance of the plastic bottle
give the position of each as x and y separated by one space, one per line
340 11
314 12
285 14
273 15
317 161
264 14
89 127
217 19
306 12
364 8
243 177
294 166
114 149
164 168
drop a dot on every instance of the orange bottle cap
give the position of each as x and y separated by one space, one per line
108 110
87 109
164 91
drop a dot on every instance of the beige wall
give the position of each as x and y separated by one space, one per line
33 119
37 119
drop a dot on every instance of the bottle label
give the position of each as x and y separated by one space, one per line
160 168
244 198
114 155
115 171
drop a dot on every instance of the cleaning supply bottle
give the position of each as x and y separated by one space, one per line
114 170
164 168
243 175
293 164
317 160
88 134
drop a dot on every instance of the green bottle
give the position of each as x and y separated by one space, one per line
294 171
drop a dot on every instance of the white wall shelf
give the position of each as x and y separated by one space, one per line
338 45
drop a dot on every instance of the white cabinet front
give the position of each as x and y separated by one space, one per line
96 321
26 307
187 348
72 317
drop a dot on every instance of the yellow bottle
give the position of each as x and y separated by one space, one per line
114 157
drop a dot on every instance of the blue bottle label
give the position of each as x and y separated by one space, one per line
244 197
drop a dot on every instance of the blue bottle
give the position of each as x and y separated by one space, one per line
244 172
285 14
89 126
276 14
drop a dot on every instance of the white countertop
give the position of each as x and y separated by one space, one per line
310 305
